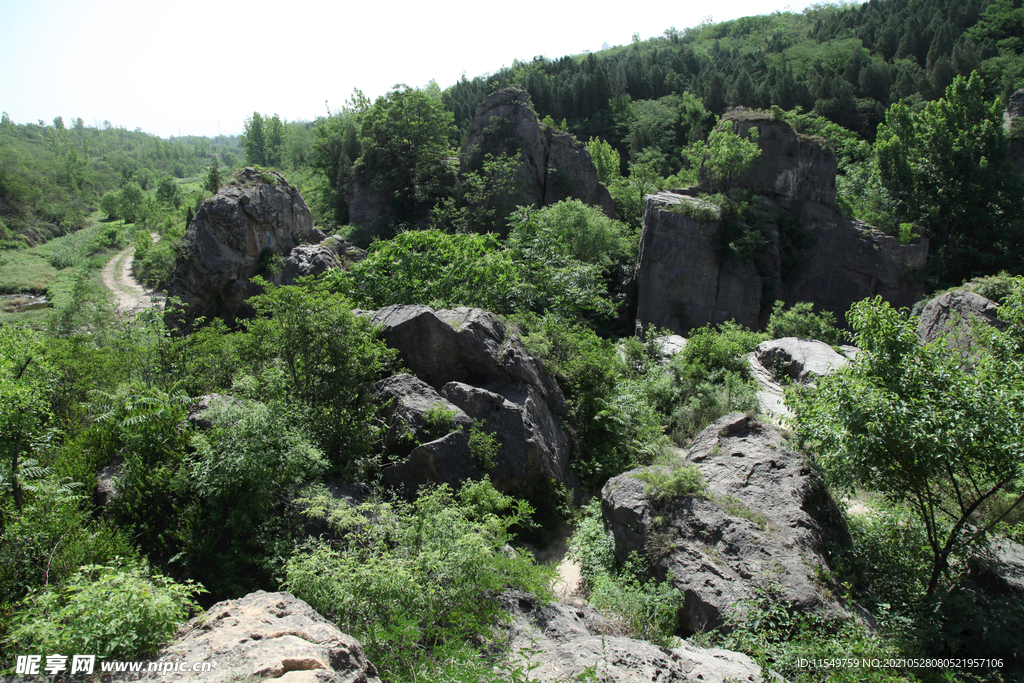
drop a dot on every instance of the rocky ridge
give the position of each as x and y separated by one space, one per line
555 165
684 281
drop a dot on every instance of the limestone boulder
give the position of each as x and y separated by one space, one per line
467 360
251 226
953 314
1000 571
1013 125
766 522
561 642
802 360
554 165
268 636
406 403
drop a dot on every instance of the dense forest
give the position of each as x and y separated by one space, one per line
125 508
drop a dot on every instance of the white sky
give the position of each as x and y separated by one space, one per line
189 64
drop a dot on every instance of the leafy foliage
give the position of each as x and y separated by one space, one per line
801 321
120 611
925 425
412 580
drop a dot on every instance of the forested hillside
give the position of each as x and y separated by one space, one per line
406 346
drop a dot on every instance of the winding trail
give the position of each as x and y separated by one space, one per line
129 296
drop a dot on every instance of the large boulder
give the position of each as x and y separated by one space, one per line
465 360
764 524
239 233
554 165
560 642
267 636
953 314
802 360
314 259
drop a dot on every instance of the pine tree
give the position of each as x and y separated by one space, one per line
213 179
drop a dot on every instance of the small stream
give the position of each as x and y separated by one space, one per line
19 303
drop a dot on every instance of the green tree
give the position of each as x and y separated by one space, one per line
927 426
606 160
725 155
133 203
254 140
408 141
167 192
275 133
948 168
213 179
110 204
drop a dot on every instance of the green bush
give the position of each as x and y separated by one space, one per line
801 321
121 611
158 264
672 481
413 581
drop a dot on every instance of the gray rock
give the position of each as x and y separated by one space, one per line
1001 571
534 447
764 524
794 167
258 215
1013 125
106 491
197 415
557 641
953 314
313 259
801 360
670 345
682 283
268 636
555 166
405 402
446 460
483 370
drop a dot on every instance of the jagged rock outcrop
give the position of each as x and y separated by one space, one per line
555 166
685 278
1001 571
465 360
560 644
1013 125
952 314
235 235
314 259
268 636
802 360
765 522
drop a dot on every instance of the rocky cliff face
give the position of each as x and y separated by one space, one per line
683 279
1014 118
555 166
252 226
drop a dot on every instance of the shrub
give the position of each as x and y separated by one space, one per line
672 481
801 321
412 581
120 611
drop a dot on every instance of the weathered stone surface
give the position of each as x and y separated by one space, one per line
794 167
368 207
313 259
953 313
230 239
765 523
682 281
555 166
1001 572
482 370
670 345
268 636
197 416
802 360
1013 123
559 643
534 447
405 402
106 481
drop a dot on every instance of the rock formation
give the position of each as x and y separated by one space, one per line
555 166
802 360
765 523
685 278
465 361
237 234
953 313
267 636
561 642
1013 125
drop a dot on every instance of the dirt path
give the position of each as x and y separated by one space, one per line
129 296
